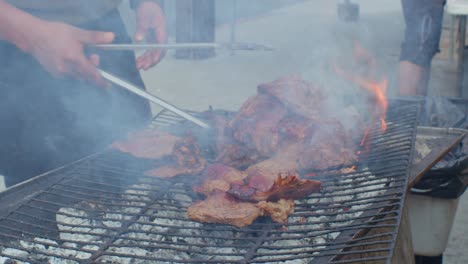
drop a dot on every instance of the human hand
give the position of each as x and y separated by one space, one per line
151 24
59 48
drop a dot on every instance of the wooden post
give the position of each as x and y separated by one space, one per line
195 23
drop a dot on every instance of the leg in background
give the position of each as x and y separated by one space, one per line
422 36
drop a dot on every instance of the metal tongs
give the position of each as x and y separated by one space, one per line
142 93
228 46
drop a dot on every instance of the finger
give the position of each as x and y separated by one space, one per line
89 72
94 59
143 60
154 58
95 37
142 27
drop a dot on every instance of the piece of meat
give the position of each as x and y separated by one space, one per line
293 128
218 178
238 156
299 96
287 186
327 147
263 175
219 208
148 144
172 170
184 160
186 152
256 124
278 211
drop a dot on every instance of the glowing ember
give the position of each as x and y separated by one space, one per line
349 170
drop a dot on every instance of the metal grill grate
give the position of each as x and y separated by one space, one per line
102 209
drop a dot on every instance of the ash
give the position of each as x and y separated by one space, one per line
158 229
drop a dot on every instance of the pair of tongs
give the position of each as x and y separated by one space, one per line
142 93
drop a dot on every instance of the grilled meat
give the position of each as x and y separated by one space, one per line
218 178
238 156
222 209
148 144
326 147
293 128
185 160
256 124
297 95
288 186
186 152
279 211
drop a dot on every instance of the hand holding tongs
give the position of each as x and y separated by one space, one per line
229 46
142 93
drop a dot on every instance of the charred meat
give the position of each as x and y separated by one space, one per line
185 160
148 144
220 208
297 95
278 211
326 147
256 124
284 187
218 178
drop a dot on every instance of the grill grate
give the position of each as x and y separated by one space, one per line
102 209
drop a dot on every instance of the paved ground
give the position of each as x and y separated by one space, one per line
308 37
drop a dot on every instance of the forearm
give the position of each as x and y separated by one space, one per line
15 25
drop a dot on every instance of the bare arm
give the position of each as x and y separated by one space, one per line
58 47
14 24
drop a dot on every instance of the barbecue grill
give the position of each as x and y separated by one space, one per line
102 209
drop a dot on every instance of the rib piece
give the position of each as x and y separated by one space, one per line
148 144
279 211
218 177
298 95
219 208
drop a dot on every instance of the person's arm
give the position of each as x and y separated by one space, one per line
14 24
150 25
58 47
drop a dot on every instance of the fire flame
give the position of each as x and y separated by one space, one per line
378 89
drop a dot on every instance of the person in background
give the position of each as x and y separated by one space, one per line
423 19
55 107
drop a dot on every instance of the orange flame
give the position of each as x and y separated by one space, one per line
378 89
